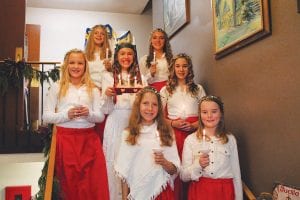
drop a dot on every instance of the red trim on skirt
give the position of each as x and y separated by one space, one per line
166 194
80 164
158 85
211 189
99 127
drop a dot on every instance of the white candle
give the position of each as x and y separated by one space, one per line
133 40
154 57
106 53
128 80
203 137
135 81
157 137
119 80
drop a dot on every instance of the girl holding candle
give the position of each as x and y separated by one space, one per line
150 140
98 54
118 107
74 106
155 65
216 174
180 99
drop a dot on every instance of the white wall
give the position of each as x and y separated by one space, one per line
62 30
20 169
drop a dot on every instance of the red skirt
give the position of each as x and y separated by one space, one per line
211 189
181 188
167 194
80 164
100 128
158 85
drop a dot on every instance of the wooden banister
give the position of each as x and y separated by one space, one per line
248 193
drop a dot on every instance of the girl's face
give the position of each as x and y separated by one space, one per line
148 108
210 114
76 66
158 40
181 68
99 36
125 58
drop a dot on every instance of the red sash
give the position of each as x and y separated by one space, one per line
158 85
166 194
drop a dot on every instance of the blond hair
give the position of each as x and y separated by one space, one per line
90 46
66 79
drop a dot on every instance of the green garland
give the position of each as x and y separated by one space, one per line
12 73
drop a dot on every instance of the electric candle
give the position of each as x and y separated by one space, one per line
106 53
128 80
135 81
119 80
203 137
154 59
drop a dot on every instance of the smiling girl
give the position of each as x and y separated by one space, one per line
216 174
155 65
148 160
73 105
118 108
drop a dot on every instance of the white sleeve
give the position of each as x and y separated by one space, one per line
50 115
235 165
144 70
164 96
201 92
108 103
95 114
191 169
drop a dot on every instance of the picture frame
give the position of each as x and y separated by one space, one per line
176 15
298 5
239 24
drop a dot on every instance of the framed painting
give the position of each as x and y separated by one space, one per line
176 15
237 23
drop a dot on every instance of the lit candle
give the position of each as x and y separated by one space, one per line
135 81
154 57
119 80
106 53
133 40
203 137
158 138
128 80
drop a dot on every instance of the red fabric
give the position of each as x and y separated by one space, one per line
211 189
158 85
181 135
181 188
80 165
100 129
18 192
167 194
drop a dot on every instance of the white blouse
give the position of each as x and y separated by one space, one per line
56 111
181 104
162 71
96 69
135 164
224 161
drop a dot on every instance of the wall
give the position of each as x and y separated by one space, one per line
260 86
62 30
20 169
12 23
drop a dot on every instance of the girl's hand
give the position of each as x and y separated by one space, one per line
167 165
188 127
152 69
107 64
78 111
204 160
110 91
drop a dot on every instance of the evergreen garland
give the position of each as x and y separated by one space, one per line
12 73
